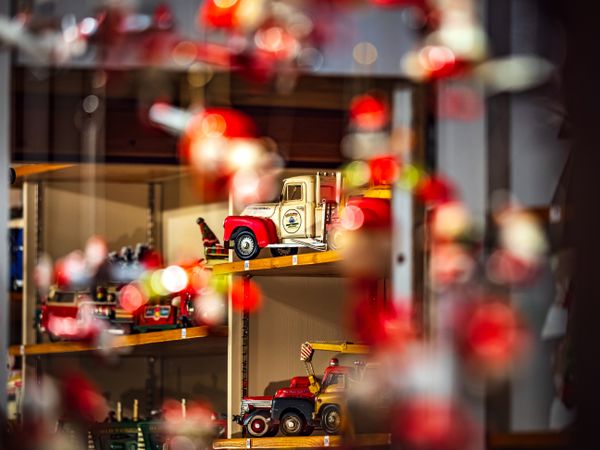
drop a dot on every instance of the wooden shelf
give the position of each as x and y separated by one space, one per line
532 440
184 339
304 264
364 440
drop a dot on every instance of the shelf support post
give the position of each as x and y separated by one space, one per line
5 99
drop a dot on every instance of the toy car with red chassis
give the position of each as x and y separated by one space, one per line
305 216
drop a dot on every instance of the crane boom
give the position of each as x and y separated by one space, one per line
307 350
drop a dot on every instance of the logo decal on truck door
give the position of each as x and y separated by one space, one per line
291 221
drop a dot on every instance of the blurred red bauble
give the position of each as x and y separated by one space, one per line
82 400
382 323
246 296
432 424
491 336
384 170
219 13
434 190
369 112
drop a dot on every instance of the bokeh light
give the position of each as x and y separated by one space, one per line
369 111
246 295
384 170
131 297
174 279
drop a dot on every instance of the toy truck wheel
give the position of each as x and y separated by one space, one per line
258 426
284 251
331 419
291 424
246 246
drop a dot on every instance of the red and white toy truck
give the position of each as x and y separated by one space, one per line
305 216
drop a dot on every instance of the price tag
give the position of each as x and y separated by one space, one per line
294 260
246 265
326 440
183 333
248 443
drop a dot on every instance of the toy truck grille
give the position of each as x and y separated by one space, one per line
248 404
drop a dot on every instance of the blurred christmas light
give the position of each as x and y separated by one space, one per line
156 284
357 173
382 323
491 337
369 111
384 170
437 61
410 177
184 53
174 278
434 189
82 400
96 252
450 221
432 423
352 218
513 73
210 307
246 295
450 264
364 53
131 297
521 235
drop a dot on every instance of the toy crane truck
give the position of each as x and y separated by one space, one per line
307 403
303 217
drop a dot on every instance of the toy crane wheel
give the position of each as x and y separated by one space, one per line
291 424
284 251
246 246
258 426
331 419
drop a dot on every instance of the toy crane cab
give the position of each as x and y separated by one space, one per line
330 394
303 217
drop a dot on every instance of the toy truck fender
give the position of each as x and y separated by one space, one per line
304 406
264 229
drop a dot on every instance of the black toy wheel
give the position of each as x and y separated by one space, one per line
291 424
246 247
331 419
284 251
257 426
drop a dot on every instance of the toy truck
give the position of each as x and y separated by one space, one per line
303 217
308 403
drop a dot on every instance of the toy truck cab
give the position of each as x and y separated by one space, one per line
306 207
260 415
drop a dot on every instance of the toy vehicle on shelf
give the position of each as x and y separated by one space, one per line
307 403
66 314
137 433
172 312
305 216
